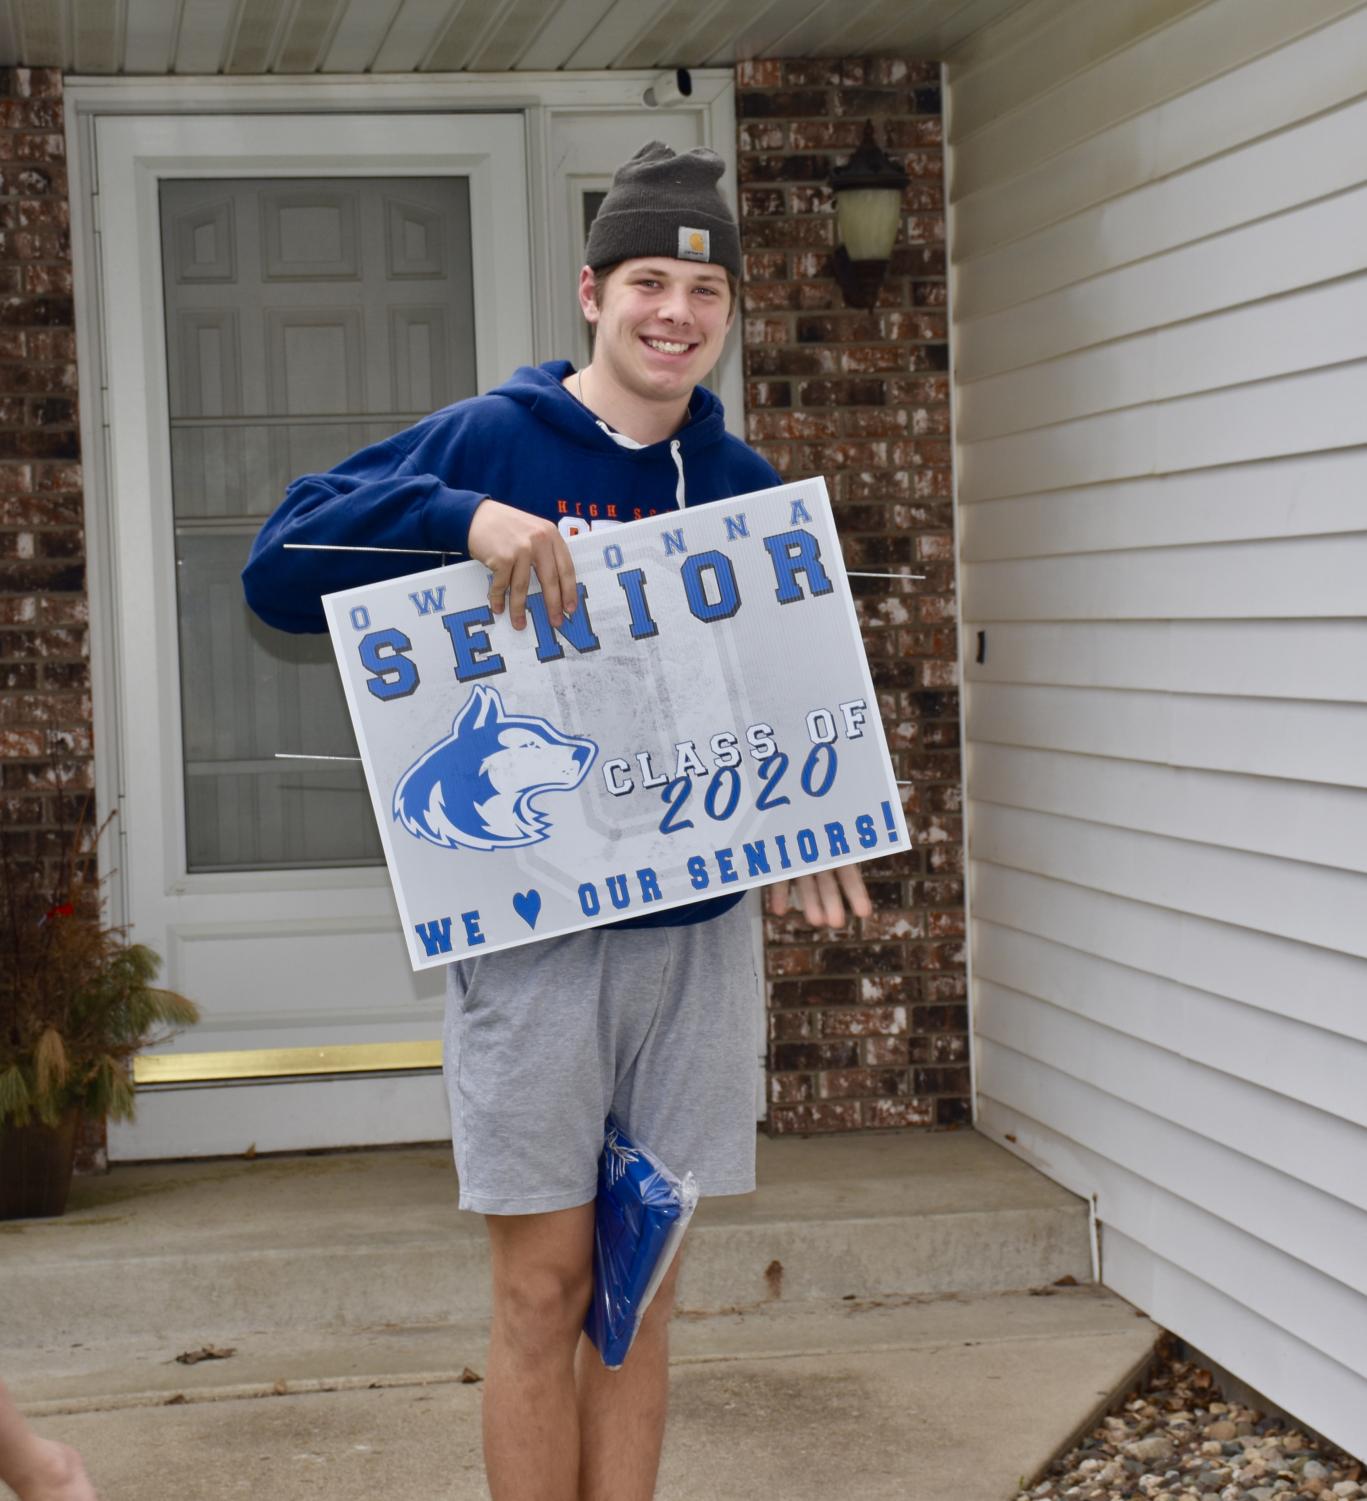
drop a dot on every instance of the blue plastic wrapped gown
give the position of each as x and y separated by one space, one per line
640 1216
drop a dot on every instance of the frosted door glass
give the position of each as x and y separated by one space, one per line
305 319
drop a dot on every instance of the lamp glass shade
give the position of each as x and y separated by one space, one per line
867 220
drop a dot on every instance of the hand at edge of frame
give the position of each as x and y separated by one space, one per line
822 898
512 544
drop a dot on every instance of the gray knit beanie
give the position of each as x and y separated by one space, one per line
663 203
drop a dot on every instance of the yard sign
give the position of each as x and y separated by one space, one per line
703 723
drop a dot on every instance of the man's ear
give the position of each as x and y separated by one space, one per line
588 301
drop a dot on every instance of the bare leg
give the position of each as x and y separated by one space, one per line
622 1413
543 1279
36 1468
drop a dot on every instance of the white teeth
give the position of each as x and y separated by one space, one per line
665 348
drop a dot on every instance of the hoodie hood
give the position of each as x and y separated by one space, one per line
538 388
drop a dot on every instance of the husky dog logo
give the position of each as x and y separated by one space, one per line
475 789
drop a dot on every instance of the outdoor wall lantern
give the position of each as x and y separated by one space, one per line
868 209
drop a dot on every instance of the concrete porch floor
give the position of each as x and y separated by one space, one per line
864 1324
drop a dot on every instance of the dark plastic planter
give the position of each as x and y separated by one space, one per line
35 1169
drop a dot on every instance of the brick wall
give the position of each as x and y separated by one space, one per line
868 1028
45 719
45 714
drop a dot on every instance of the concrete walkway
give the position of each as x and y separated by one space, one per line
865 1326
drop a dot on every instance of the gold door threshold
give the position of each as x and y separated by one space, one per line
282 1063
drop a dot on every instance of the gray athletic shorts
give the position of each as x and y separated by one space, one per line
656 1025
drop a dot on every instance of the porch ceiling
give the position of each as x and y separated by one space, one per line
439 36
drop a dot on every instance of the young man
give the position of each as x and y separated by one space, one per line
651 1018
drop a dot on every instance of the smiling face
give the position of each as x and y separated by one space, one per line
659 324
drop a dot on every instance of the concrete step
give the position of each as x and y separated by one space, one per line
903 1396
208 1250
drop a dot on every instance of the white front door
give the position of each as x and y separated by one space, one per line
277 292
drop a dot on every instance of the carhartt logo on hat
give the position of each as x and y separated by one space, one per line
693 244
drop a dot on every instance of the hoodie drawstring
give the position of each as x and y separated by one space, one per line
675 453
677 456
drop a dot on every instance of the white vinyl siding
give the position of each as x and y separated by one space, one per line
1158 241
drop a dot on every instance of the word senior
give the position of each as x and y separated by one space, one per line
708 578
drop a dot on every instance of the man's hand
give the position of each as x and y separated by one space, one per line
822 897
511 543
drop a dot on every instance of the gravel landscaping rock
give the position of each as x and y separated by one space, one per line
1179 1440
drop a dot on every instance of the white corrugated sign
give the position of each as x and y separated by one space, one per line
704 722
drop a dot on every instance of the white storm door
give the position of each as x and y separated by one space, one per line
276 292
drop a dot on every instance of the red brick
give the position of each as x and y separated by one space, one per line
829 1115
877 1115
888 1052
758 393
815 992
817 295
788 1056
811 72
765 331
30 146
767 265
897 70
793 232
919 228
790 1089
791 1026
875 1021
825 135
912 133
870 359
42 279
55 345
923 196
762 202
792 961
797 361
861 102
45 213
780 103
763 136
848 1083
779 455
811 198
873 422
757 73
770 296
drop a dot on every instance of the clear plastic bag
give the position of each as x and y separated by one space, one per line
640 1215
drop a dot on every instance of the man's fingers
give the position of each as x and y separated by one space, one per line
813 909
548 576
851 880
829 889
823 896
517 591
569 585
778 899
498 587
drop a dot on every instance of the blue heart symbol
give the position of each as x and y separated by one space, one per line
527 905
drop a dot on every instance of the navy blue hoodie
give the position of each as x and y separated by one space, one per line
529 443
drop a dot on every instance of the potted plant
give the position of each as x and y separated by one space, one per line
76 1003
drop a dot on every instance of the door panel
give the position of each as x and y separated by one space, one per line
278 292
287 308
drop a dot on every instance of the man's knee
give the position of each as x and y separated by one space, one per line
542 1279
543 1309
